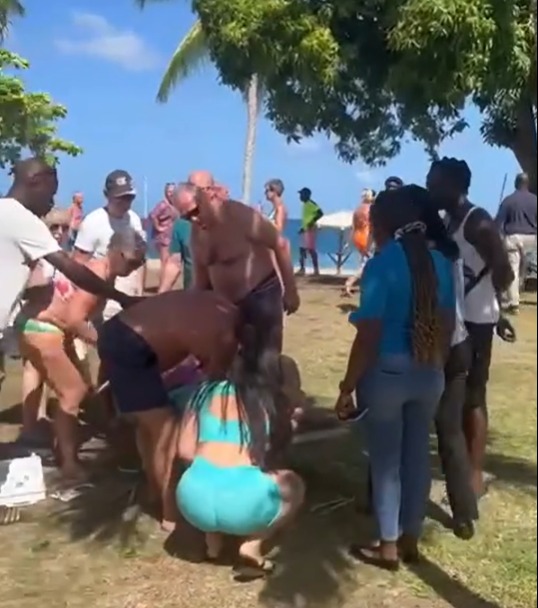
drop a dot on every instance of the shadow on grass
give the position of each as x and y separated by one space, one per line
106 513
314 569
515 472
12 414
454 593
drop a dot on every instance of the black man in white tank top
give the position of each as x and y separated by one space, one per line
487 274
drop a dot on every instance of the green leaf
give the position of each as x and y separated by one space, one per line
27 120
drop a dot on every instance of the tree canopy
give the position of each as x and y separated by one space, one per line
371 71
27 120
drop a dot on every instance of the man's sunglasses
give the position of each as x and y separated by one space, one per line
192 214
56 227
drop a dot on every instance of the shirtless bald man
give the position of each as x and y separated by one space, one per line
235 250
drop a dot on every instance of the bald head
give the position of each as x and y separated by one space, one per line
201 179
522 181
34 185
26 170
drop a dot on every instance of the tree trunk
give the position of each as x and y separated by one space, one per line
525 143
250 145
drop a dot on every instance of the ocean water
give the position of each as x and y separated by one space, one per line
327 242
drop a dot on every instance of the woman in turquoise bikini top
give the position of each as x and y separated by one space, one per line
225 435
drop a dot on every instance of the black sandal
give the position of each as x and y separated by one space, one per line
247 570
372 557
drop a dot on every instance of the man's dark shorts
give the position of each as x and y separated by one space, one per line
481 343
131 367
263 308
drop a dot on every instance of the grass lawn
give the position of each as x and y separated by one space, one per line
97 554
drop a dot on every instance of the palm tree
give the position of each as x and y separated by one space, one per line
192 52
8 10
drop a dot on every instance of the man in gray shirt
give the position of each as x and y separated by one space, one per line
516 220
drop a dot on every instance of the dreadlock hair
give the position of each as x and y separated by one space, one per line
457 171
397 213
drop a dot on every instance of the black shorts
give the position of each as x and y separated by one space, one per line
131 367
263 308
481 343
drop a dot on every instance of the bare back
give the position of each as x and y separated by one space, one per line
76 305
177 324
235 263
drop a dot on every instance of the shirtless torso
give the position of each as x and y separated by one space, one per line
234 264
179 324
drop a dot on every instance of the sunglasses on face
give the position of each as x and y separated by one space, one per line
58 227
192 214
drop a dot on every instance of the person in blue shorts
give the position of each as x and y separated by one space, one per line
226 434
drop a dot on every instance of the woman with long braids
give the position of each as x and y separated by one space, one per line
404 326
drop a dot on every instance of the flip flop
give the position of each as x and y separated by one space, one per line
372 557
247 570
71 493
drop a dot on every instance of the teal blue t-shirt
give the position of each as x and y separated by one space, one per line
387 294
181 244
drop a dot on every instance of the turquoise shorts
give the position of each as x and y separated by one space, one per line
240 501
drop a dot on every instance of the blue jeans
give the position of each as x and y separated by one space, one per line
402 398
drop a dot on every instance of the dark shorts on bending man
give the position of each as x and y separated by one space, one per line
263 308
132 368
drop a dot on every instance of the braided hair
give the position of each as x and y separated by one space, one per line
456 171
396 213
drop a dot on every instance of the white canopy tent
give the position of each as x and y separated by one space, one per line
342 221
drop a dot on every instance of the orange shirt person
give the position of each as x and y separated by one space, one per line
361 223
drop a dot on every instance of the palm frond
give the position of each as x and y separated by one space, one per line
190 54
8 10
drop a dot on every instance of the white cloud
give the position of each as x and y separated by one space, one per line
94 36
365 175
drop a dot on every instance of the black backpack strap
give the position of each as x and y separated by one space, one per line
474 281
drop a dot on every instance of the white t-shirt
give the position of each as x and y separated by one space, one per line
24 239
94 237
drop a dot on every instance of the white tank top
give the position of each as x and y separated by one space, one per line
481 304
460 331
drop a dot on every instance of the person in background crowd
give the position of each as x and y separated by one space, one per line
393 183
404 324
24 239
516 220
162 218
98 227
311 213
487 274
76 214
180 258
361 236
240 255
274 189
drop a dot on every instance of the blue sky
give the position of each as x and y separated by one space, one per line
103 59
